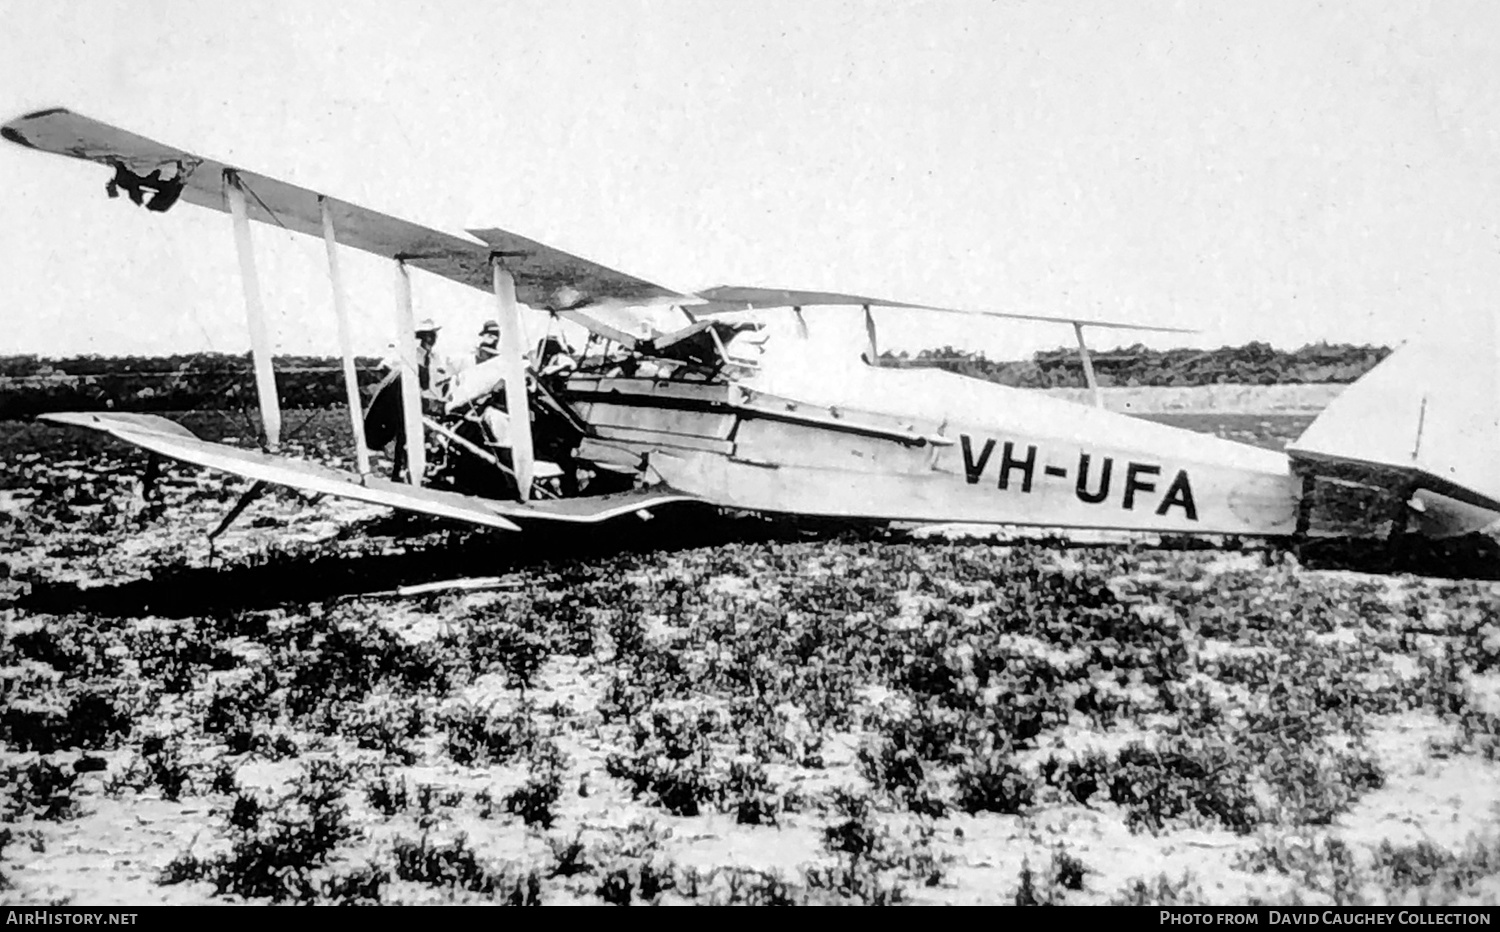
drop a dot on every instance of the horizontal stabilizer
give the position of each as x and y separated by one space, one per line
546 278
726 299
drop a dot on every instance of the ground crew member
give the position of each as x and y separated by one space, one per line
384 421
489 342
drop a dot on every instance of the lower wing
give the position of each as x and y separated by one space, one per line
168 438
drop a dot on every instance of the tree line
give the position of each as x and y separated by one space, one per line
1250 364
31 385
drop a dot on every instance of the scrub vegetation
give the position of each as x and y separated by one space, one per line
871 719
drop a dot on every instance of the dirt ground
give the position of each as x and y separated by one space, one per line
1306 399
714 712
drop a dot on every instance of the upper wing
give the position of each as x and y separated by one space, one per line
726 299
546 278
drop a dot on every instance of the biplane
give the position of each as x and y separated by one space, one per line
666 405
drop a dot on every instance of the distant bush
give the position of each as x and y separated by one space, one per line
1251 364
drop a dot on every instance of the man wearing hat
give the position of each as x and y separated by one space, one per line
489 342
383 421
432 375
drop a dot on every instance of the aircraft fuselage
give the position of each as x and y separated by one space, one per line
924 445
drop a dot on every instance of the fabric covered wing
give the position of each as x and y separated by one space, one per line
725 299
593 509
170 439
546 278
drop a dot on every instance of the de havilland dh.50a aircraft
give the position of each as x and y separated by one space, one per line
663 406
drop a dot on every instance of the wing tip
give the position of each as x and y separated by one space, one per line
14 135
11 132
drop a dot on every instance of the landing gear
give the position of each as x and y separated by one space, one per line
150 492
251 494
1402 505
1304 515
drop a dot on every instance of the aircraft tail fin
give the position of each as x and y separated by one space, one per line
1423 425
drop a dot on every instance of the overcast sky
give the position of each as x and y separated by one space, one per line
1279 171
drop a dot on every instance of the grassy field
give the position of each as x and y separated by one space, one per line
784 719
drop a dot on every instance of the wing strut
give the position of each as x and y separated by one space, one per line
513 367
872 351
411 386
346 341
251 494
801 322
1088 365
255 314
